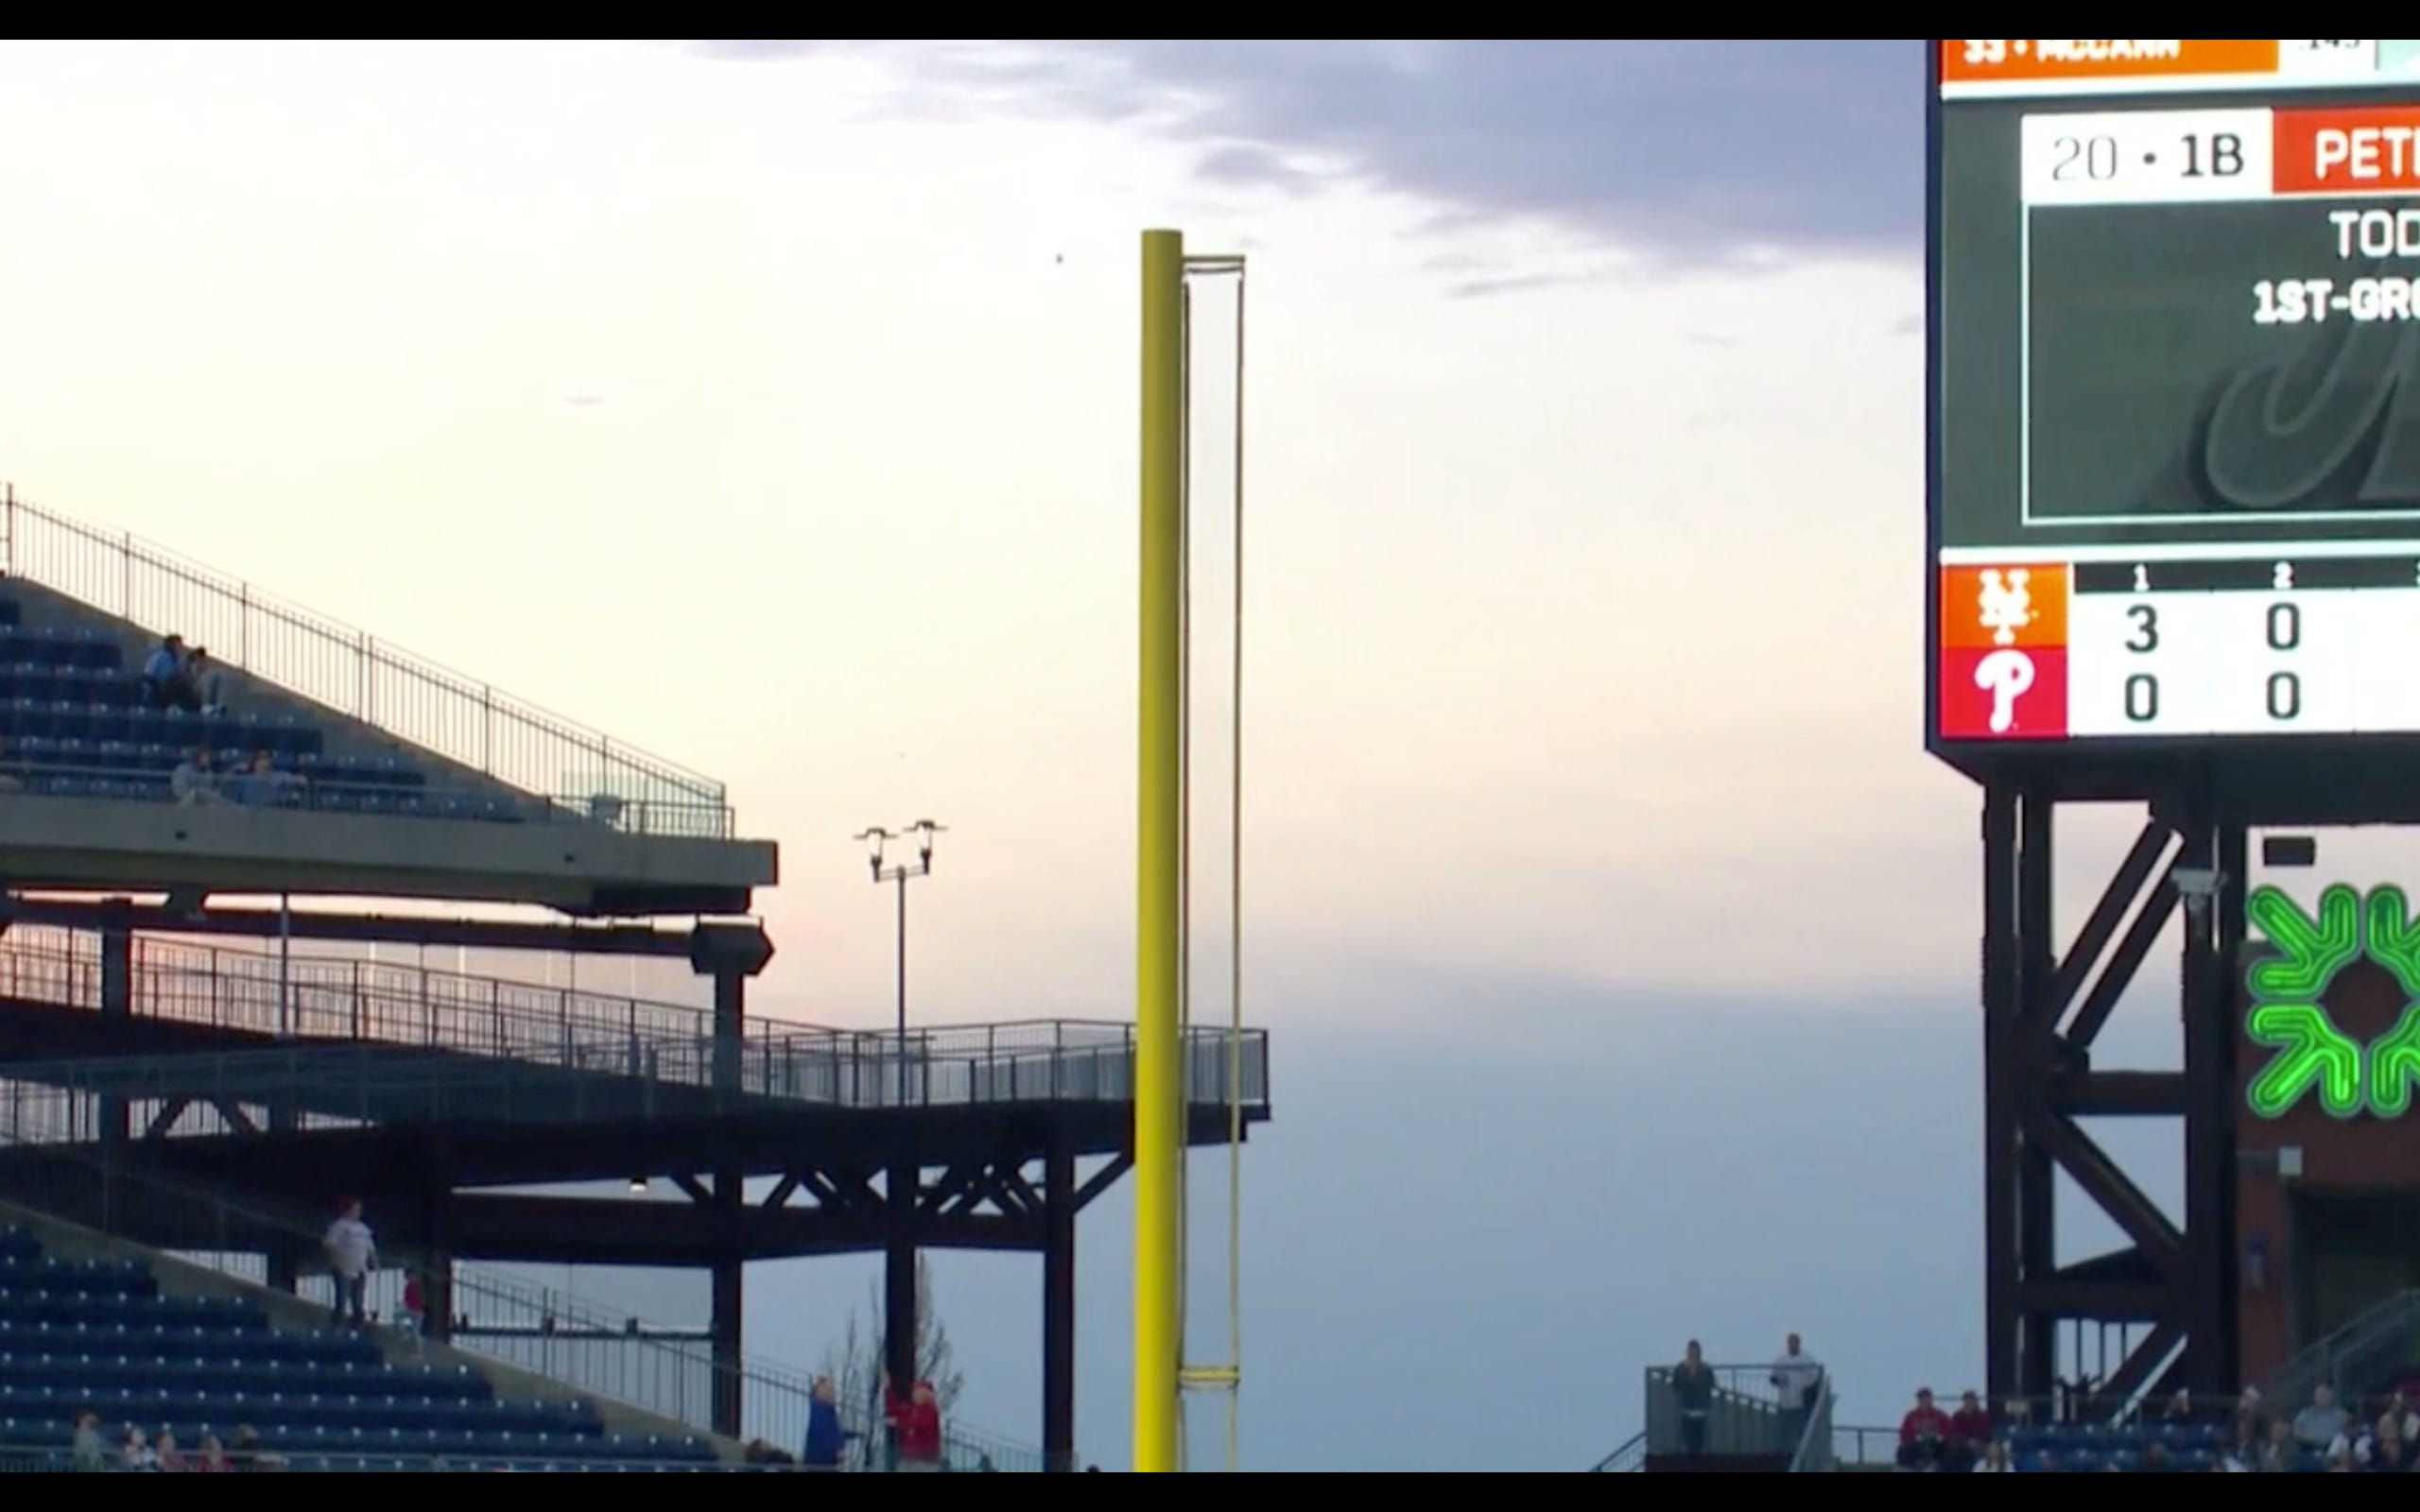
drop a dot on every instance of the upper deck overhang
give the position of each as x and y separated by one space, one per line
576 868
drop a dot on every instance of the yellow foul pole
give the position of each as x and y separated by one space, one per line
1158 1153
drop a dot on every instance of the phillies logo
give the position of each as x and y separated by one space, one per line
2006 676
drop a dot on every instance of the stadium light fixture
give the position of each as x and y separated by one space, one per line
901 874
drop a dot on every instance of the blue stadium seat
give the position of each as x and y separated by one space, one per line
72 711
97 1334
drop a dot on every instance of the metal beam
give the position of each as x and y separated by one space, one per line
262 924
606 1232
2127 960
1102 1179
2094 1301
2121 1094
2109 1188
2125 890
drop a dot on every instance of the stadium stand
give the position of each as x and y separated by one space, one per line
73 723
98 1336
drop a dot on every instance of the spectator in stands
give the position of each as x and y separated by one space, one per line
89 1452
1693 1392
137 1455
211 1458
245 1456
1924 1435
168 683
260 786
353 1254
1970 1429
202 673
193 782
2384 1448
165 1450
2280 1453
2407 1422
1796 1380
827 1442
2243 1444
917 1419
12 772
414 1321
1994 1460
764 1455
2323 1422
2155 1460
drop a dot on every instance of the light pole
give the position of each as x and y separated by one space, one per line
900 873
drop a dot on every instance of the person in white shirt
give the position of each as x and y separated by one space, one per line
1796 1379
193 782
353 1254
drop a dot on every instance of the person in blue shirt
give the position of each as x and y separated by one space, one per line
167 682
826 1440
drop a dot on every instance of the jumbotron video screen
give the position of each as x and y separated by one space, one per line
2175 359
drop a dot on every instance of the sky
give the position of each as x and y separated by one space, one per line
771 406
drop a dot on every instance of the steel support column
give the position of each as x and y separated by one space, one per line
2042 1014
117 1003
2004 1248
2037 969
730 954
2214 936
899 1277
437 1239
1060 1197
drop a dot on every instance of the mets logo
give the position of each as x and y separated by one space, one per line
2289 1017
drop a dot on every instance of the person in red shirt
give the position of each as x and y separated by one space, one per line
1970 1431
916 1424
1925 1434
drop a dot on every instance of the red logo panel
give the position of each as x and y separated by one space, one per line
2003 693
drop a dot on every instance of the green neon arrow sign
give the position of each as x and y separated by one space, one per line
2313 1055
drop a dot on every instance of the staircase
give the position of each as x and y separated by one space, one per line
2377 1343
1747 1432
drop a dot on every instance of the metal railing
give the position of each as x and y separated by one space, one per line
1815 1452
593 1349
312 794
1744 1414
316 658
207 1096
390 1004
2378 1342
1629 1459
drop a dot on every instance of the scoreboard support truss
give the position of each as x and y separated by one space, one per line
2044 1010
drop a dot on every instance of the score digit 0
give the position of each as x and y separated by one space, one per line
2285 633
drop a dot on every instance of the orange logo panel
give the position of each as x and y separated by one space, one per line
2021 604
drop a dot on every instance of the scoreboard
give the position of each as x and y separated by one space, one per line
2174 389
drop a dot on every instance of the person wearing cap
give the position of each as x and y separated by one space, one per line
916 1421
1970 1429
1923 1434
353 1254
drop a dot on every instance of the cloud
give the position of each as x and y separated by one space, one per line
1682 152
